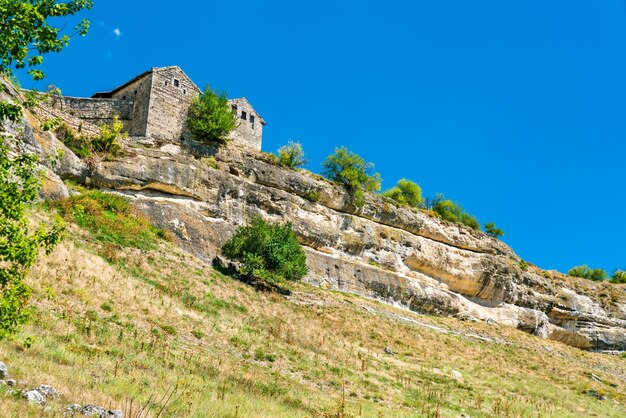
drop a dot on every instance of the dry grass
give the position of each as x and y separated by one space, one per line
110 323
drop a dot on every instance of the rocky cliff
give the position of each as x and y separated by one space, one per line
398 255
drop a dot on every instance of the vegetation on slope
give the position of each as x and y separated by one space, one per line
112 322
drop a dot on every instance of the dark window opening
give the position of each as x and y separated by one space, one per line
233 108
124 98
166 83
253 126
135 92
252 119
184 91
176 83
243 115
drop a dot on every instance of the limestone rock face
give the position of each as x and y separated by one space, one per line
395 254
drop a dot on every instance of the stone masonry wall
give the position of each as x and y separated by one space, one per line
249 131
172 93
95 111
139 93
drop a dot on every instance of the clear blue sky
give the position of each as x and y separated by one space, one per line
514 109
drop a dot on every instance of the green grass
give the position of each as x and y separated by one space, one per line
157 317
111 219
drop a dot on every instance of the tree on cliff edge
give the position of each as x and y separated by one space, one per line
210 118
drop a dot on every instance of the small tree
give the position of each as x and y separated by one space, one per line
291 155
19 247
268 252
452 212
492 230
210 118
587 273
406 192
619 276
349 169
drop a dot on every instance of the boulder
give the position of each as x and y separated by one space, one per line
34 397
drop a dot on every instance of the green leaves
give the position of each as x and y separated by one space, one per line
210 118
291 155
451 211
349 169
406 192
269 252
24 28
587 273
492 230
19 247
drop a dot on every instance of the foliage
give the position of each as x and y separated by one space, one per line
587 273
523 265
109 140
26 35
619 277
406 192
210 118
19 247
211 162
110 219
291 155
492 230
349 169
313 196
52 124
453 212
269 252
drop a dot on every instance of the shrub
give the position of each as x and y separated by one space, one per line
523 265
291 155
109 140
492 230
452 212
313 196
587 273
619 276
210 118
406 192
268 252
19 245
349 169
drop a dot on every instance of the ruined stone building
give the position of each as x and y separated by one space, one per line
155 104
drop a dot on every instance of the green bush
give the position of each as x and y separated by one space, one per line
619 277
109 140
406 192
349 169
268 252
291 155
210 118
492 230
452 212
587 273
313 196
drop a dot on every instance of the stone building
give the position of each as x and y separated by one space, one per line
155 104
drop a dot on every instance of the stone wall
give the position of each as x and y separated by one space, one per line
139 93
249 130
95 111
172 93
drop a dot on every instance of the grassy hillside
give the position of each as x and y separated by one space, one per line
118 318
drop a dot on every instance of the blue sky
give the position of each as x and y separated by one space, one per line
514 109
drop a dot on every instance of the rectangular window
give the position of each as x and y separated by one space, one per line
233 108
243 115
176 83
252 119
